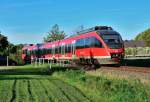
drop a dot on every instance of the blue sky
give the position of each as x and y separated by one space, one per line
28 21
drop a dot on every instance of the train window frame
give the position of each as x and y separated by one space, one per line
88 42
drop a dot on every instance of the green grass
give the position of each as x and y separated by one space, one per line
102 89
40 84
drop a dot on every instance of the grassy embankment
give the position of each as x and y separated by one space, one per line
39 84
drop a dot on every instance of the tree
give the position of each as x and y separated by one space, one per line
15 52
144 36
54 34
3 42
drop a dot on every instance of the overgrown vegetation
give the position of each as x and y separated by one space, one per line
40 84
138 51
144 36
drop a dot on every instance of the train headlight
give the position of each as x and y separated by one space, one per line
114 55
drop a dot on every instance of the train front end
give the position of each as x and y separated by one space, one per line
114 45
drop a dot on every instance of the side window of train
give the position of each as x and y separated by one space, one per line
87 42
59 49
95 42
69 48
44 51
28 52
63 49
53 50
66 48
79 43
50 50
36 52
33 52
56 50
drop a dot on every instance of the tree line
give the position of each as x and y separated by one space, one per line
144 36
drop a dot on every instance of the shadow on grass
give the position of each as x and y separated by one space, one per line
136 62
32 71
16 78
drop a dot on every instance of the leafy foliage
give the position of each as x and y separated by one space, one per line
8 49
138 51
144 36
54 34
15 52
3 43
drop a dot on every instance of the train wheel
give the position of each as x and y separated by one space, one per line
95 64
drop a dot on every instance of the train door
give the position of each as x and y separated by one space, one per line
53 51
63 50
73 49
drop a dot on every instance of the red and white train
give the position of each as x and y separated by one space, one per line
97 45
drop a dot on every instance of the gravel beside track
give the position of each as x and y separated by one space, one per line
139 73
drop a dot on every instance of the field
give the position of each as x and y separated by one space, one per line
59 84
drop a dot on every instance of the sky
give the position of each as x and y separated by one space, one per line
28 21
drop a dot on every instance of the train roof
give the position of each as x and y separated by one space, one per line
101 29
108 32
96 28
